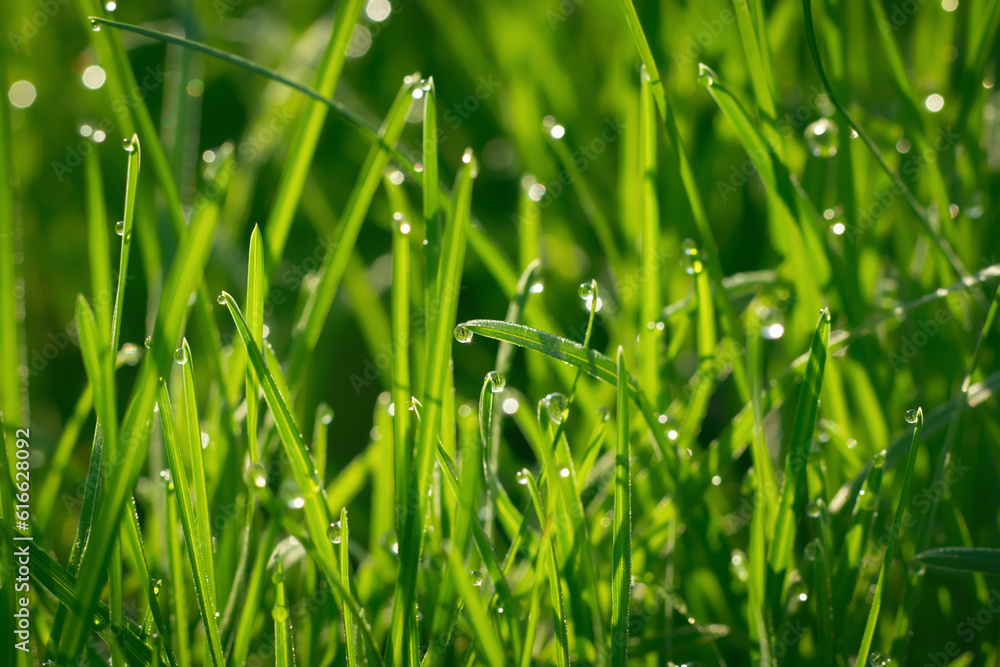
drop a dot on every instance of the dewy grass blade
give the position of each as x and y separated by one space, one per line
282 629
309 325
439 347
432 194
197 441
485 634
651 288
175 560
185 275
690 185
806 411
254 592
897 523
590 361
345 579
963 559
256 290
193 542
47 573
401 396
621 559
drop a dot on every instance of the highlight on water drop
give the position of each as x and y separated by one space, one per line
463 334
821 138
497 381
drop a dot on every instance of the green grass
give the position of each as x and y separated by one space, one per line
408 297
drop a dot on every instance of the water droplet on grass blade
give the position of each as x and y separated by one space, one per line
477 577
879 459
148 342
692 258
95 26
120 228
463 334
497 381
603 414
586 290
522 476
180 355
557 406
815 507
821 137
911 416
221 299
255 476
128 143
334 532
706 76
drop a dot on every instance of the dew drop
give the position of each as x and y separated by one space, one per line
852 443
180 355
557 406
586 290
911 416
463 334
120 228
221 299
706 76
148 342
477 577
334 532
917 568
128 143
497 381
603 414
157 583
280 614
95 26
879 459
522 476
255 476
815 507
325 414
692 258
821 137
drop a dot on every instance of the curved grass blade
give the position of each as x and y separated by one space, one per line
897 522
97 240
621 559
10 384
824 599
962 559
789 501
256 289
432 195
590 361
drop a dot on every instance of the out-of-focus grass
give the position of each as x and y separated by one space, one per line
684 186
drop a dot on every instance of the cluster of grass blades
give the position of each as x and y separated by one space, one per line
750 498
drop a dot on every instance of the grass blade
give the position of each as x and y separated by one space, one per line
789 501
439 346
190 521
963 559
307 329
345 579
621 559
491 647
897 522
283 654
